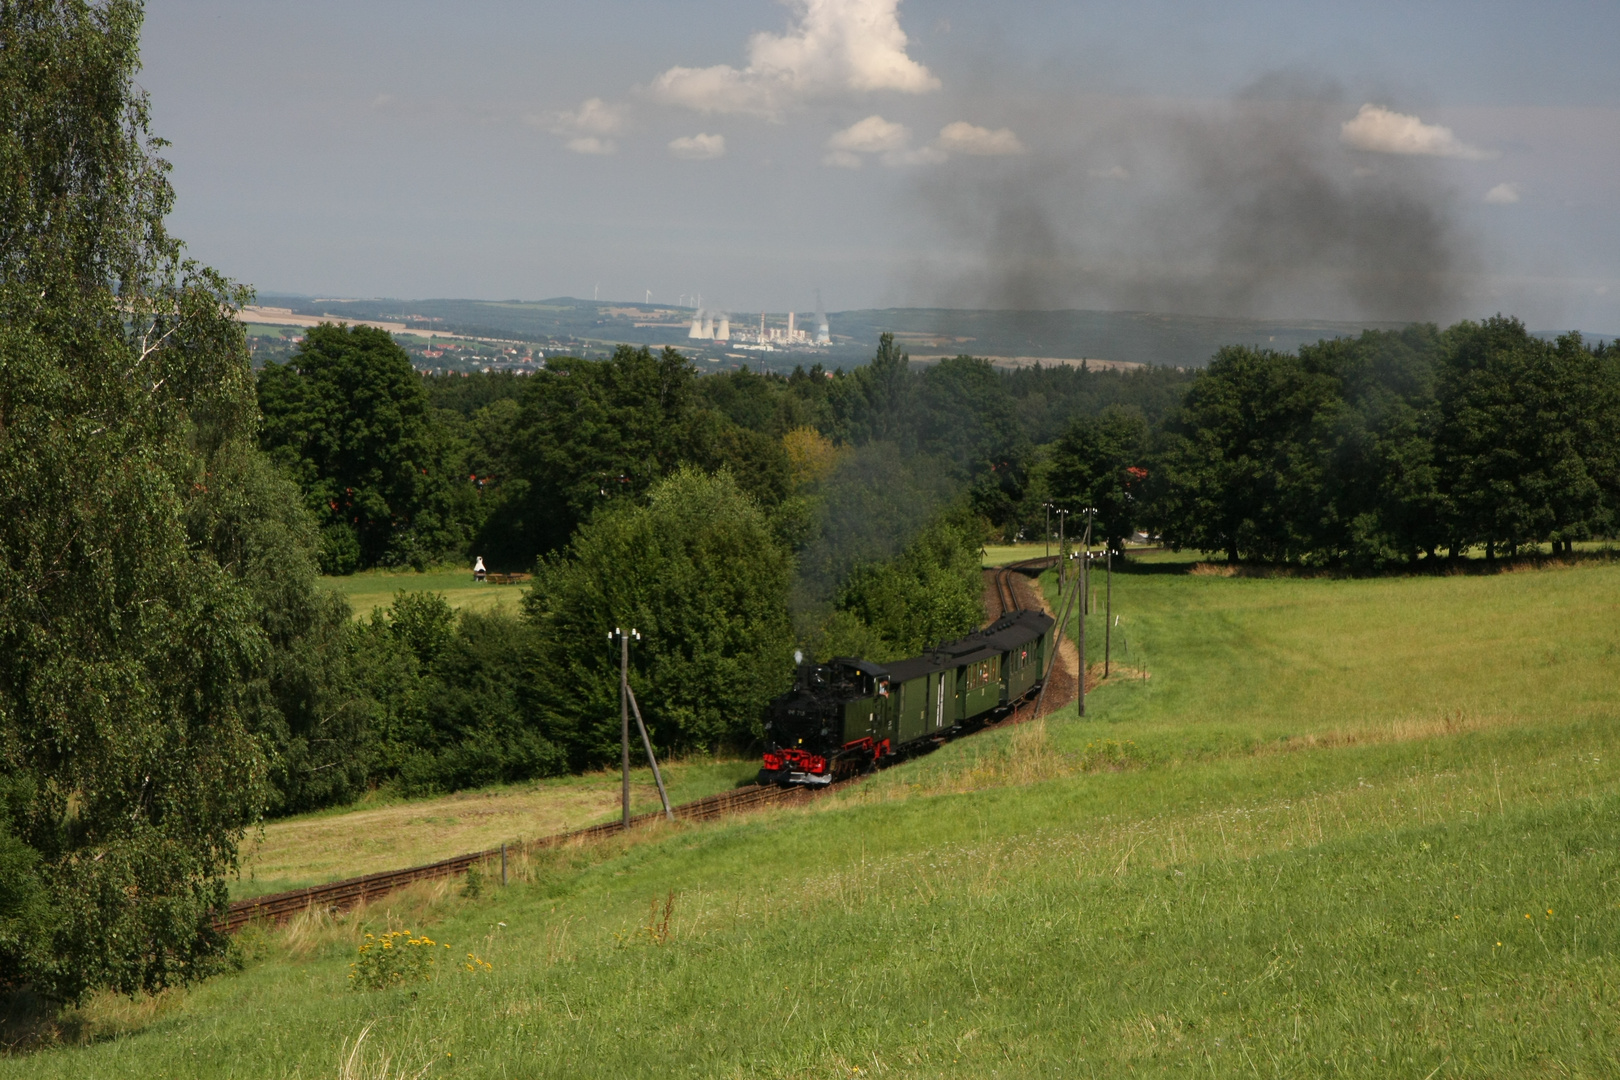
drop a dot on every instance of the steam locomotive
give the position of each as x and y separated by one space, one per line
849 715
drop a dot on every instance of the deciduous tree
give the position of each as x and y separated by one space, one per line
126 648
698 572
348 418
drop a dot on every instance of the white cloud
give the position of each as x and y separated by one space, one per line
1114 172
590 144
965 138
835 47
699 147
892 142
1503 194
923 155
873 135
587 128
1385 132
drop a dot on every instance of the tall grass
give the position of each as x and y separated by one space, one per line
1316 842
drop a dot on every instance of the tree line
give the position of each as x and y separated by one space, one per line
402 469
1386 449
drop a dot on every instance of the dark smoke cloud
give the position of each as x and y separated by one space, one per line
1252 207
875 503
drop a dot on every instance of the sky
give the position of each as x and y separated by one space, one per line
1375 160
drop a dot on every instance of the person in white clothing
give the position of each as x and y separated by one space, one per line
478 568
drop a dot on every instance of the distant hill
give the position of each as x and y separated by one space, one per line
586 326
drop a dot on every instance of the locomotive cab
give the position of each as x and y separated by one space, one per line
810 727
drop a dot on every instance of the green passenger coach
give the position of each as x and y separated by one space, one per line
849 714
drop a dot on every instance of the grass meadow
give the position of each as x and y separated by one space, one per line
371 589
1312 827
385 832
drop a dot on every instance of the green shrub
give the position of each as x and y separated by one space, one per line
394 959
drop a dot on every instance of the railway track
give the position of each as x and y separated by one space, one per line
343 895
1006 596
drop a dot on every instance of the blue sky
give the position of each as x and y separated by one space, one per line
1221 158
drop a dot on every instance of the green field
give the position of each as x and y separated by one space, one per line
1313 827
384 832
372 589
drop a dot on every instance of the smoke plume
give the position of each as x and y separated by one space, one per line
1254 207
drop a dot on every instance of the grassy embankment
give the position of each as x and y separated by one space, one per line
371 589
385 832
1359 828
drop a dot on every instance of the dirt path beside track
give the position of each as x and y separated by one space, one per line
1027 594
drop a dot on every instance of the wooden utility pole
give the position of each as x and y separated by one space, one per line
1108 615
1085 567
1081 642
646 741
624 717
1062 516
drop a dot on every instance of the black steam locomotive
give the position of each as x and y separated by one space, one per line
845 716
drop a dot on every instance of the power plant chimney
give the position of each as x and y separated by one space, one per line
790 326
697 325
723 332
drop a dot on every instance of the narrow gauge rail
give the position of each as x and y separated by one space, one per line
342 895
1005 596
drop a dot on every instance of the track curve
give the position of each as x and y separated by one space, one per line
341 895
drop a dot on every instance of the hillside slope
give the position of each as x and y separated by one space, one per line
1360 828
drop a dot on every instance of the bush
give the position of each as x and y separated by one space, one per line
452 707
700 575
395 958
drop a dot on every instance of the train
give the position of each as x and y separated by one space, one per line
850 715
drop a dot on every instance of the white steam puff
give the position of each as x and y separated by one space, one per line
1383 131
587 128
965 138
699 147
1503 194
836 47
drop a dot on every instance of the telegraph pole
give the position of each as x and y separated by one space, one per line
1081 637
1062 516
1108 614
624 717
624 711
1047 535
646 741
1085 565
